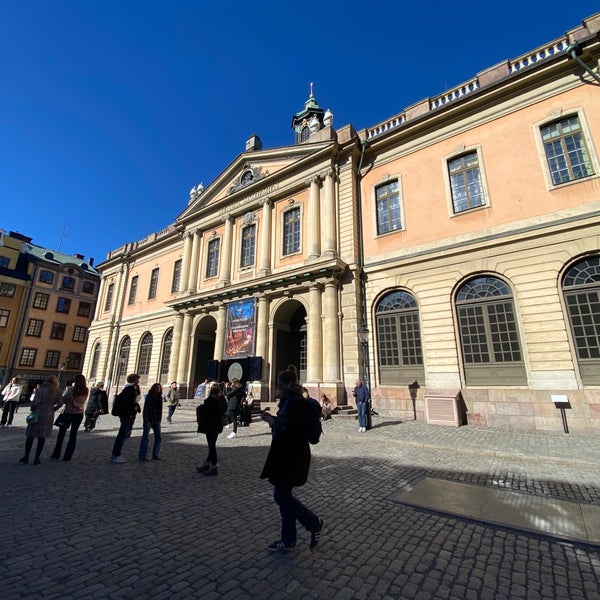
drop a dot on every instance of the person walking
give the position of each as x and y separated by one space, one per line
234 401
152 415
126 408
47 400
362 396
214 408
288 463
173 396
11 395
96 406
74 401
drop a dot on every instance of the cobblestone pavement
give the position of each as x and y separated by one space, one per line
157 529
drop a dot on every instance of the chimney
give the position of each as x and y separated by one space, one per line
91 261
253 143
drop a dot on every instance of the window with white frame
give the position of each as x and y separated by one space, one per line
52 358
79 333
466 184
4 315
153 284
143 367
95 362
27 357
166 354
132 290
34 327
566 150
40 300
291 231
176 280
109 296
387 206
248 246
212 259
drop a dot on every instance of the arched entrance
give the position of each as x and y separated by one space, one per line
203 350
289 338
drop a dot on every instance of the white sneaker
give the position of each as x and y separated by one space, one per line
117 459
231 435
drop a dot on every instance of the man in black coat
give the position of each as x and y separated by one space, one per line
288 463
127 409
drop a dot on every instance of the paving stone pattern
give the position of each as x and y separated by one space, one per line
157 529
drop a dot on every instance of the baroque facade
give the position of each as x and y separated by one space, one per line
47 302
450 252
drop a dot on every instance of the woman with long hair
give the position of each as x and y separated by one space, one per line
46 401
214 410
152 415
74 399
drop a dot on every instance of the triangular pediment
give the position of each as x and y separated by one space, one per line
250 174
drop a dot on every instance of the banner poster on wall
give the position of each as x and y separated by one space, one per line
239 332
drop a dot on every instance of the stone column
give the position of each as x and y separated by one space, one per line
315 336
329 226
314 219
201 255
182 374
220 333
265 238
262 331
185 262
193 267
226 251
331 337
175 347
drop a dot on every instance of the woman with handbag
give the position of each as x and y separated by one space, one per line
46 401
71 417
210 422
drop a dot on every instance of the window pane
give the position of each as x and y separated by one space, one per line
465 182
387 199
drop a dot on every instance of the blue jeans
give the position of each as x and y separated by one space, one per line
292 510
124 433
146 438
362 413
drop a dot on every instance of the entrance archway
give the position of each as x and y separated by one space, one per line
203 350
289 339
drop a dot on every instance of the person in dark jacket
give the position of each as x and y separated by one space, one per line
128 408
97 405
152 415
288 463
214 408
234 400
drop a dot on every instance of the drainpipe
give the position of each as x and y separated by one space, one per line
574 50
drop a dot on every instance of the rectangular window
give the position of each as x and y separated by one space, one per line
88 287
79 334
46 276
566 151
153 284
27 357
387 200
4 262
248 246
52 358
63 305
7 290
68 283
465 182
40 300
132 290
109 296
34 327
176 277
73 360
58 331
4 314
291 231
212 263
84 309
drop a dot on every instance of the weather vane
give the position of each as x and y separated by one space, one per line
311 88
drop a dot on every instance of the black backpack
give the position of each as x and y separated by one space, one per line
313 420
117 407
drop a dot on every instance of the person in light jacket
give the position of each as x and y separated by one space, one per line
172 396
10 396
47 400
74 400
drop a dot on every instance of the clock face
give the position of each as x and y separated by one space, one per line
235 371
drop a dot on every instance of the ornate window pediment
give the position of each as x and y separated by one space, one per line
248 176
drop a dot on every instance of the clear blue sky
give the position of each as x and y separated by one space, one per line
110 111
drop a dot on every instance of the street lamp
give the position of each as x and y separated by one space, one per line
61 368
363 338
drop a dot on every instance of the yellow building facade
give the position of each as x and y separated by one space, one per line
447 255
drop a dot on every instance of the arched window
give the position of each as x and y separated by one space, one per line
95 361
399 339
581 290
304 134
123 358
489 334
166 355
143 367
